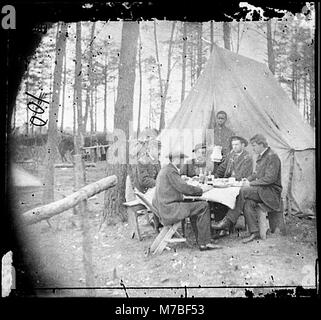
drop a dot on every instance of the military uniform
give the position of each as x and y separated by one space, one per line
235 165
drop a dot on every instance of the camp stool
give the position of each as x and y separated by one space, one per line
166 235
134 211
269 219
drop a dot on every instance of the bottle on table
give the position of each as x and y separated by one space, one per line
201 176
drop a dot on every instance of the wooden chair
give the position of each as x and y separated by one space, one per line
134 211
165 236
270 220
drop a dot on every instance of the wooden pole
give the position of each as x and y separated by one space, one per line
47 211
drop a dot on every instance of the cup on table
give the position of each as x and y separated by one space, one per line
231 180
184 177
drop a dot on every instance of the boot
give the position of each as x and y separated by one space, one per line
224 224
252 237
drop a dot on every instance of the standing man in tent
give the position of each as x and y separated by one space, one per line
263 186
222 135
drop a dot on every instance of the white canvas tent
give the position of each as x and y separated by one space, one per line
255 103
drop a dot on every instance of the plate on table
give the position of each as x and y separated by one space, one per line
221 185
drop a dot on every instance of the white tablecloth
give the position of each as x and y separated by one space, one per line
226 196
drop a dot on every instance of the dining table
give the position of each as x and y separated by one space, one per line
220 190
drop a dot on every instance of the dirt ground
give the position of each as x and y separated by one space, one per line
123 267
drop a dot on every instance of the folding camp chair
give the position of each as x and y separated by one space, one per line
165 236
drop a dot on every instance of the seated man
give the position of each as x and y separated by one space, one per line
143 174
168 200
238 164
264 185
193 167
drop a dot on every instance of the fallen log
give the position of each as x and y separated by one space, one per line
49 210
71 165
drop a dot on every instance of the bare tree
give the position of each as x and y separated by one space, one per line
52 142
184 61
199 48
271 57
140 83
122 119
164 89
227 35
63 94
79 169
105 87
212 34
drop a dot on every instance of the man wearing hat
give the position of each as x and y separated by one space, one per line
168 200
264 185
238 163
193 167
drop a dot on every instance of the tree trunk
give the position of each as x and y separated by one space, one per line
159 71
199 48
105 90
312 95
79 170
122 119
27 101
96 99
164 93
293 83
191 56
227 35
212 35
270 50
305 96
87 106
78 90
184 61
140 84
91 80
52 142
63 95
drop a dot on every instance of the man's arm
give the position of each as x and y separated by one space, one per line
181 186
271 172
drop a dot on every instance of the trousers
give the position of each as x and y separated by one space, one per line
246 202
201 221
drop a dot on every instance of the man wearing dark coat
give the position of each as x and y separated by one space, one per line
263 186
169 201
238 164
194 166
222 133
